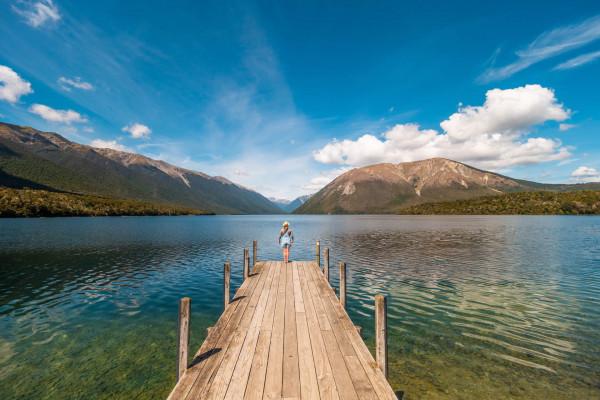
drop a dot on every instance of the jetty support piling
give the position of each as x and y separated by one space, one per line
326 263
254 254
246 264
343 284
184 336
226 284
253 352
381 348
318 253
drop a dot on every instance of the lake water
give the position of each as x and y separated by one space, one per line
479 307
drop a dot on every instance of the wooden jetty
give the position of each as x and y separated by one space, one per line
284 335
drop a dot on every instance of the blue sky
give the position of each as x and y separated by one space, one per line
282 96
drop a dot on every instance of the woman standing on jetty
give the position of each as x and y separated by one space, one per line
286 239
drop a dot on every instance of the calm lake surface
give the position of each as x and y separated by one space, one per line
479 307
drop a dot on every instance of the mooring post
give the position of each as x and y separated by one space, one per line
381 333
326 264
226 284
254 254
184 336
343 284
246 264
318 253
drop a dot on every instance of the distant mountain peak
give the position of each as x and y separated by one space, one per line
49 160
386 187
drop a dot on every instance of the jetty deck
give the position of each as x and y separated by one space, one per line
284 335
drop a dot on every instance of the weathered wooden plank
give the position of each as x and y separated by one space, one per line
309 389
330 304
246 264
226 284
274 377
184 336
343 284
241 372
285 335
326 264
324 375
318 305
256 380
381 333
376 377
318 253
343 381
210 348
254 253
291 372
230 337
223 375
333 345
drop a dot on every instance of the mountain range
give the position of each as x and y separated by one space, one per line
289 206
388 188
30 158
43 160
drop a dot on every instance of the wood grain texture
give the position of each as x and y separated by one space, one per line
285 335
184 336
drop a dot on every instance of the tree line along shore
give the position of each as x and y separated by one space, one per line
43 203
583 202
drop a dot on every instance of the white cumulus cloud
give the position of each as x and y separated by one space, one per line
548 44
12 86
75 83
108 144
138 131
492 136
37 13
586 174
62 116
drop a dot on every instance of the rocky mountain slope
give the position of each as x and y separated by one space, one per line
43 160
387 188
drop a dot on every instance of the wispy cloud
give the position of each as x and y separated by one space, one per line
37 13
565 127
578 61
548 44
62 116
76 83
12 86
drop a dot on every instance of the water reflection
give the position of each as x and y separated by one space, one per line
479 307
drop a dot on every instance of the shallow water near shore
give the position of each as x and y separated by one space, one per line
478 307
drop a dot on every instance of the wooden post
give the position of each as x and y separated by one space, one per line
246 264
326 264
343 284
226 284
254 254
184 336
381 333
318 254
